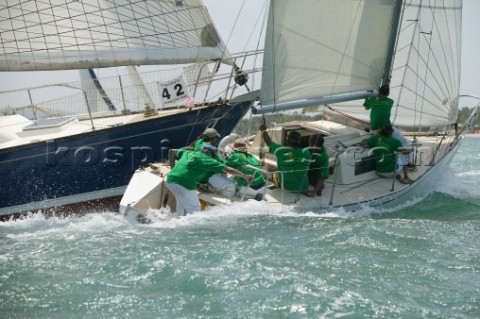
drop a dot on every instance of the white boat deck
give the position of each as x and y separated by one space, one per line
16 130
345 187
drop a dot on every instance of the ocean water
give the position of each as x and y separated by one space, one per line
255 261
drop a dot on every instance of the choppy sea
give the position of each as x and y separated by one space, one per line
255 261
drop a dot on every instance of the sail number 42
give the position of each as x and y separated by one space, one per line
178 88
173 92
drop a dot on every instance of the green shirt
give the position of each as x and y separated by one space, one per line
384 148
294 162
192 167
380 109
198 144
238 160
197 147
319 164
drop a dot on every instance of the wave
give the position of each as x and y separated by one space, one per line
40 226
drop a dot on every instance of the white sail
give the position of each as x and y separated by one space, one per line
324 48
426 77
426 73
143 96
95 97
59 34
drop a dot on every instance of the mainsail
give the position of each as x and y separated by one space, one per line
73 34
317 49
332 51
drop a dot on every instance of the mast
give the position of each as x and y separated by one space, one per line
392 43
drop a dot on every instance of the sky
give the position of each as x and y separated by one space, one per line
470 79
224 13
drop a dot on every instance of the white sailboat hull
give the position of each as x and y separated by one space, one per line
344 190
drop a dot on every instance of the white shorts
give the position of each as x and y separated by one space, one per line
223 183
403 159
249 192
187 200
396 134
405 143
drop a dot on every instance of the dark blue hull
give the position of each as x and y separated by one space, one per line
99 164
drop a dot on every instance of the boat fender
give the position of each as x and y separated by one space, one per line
229 139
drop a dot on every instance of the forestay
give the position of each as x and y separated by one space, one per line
59 34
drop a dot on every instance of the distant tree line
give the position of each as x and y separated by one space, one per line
463 115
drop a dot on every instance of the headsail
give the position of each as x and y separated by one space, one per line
59 34
425 78
325 49
426 75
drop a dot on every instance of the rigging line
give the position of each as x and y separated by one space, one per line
265 17
323 117
431 89
346 115
233 28
430 70
413 109
446 75
197 116
273 65
416 125
254 27
427 61
408 56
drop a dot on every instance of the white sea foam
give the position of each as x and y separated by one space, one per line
38 226
464 185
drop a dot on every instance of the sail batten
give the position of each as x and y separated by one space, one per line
59 34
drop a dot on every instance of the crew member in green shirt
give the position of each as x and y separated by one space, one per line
209 136
380 108
191 169
218 181
318 171
238 160
387 162
292 160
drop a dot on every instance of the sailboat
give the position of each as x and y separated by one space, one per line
330 55
78 150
